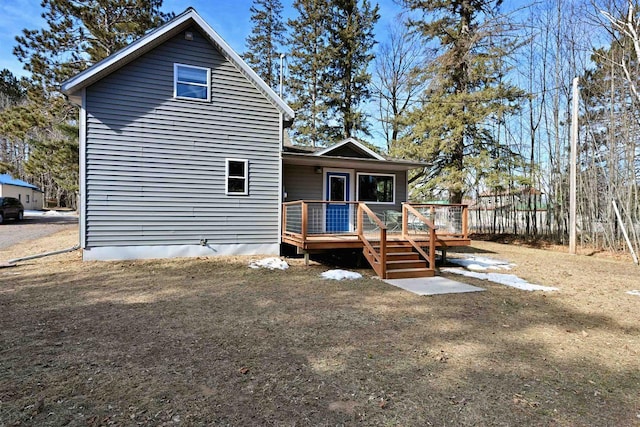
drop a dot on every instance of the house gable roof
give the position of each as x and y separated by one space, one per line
352 144
156 37
6 179
348 153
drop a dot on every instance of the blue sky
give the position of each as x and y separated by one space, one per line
231 19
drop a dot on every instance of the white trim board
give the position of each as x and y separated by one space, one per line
392 175
352 184
352 141
82 146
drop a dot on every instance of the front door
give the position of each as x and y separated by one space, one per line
338 212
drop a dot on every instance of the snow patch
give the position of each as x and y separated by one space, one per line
30 212
503 279
341 275
634 292
478 263
270 263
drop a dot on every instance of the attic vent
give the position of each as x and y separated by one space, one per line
188 35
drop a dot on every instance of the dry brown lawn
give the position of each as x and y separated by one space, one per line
213 342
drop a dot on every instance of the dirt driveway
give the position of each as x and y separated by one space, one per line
34 227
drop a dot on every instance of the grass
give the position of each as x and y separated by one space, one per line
211 341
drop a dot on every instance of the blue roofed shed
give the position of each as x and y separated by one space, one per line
30 195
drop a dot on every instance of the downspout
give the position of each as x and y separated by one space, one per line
82 200
280 175
12 262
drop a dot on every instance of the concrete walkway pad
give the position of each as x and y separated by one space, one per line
433 286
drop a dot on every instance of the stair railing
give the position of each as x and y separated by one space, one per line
378 260
431 256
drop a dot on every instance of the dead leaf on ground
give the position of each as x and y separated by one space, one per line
206 390
347 407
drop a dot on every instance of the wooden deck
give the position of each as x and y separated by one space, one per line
394 248
323 242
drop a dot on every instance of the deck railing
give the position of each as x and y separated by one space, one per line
377 259
425 223
304 218
450 219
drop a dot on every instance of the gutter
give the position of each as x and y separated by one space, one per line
12 262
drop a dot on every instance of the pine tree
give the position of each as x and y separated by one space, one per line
76 35
310 80
265 40
351 41
331 47
467 93
12 94
12 89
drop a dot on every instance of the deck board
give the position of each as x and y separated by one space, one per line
351 241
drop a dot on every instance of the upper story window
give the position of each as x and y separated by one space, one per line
376 188
191 82
237 177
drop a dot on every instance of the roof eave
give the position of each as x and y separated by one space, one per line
313 160
353 141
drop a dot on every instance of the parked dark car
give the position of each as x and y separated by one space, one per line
10 207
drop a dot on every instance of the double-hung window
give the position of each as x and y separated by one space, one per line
237 177
376 188
191 82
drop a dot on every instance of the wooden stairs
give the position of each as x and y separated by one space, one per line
402 262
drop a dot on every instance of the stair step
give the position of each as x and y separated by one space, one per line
406 264
396 256
410 273
396 248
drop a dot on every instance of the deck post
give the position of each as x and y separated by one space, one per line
405 220
284 218
359 220
465 221
432 248
383 253
304 221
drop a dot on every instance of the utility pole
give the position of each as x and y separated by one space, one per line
572 173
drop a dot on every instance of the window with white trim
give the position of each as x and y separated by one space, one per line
191 82
376 188
237 177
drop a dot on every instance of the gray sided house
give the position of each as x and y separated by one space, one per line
180 146
182 153
346 171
